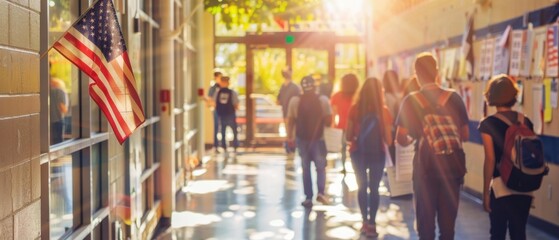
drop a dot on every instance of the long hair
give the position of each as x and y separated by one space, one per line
391 81
370 99
349 84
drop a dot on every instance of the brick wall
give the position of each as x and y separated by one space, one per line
20 186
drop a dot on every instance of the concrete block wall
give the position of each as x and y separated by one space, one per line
20 186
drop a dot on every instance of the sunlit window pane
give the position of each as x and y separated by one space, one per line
61 195
64 77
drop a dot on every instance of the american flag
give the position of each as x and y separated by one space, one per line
95 44
552 52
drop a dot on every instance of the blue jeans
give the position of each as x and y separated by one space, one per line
230 121
368 201
313 151
216 128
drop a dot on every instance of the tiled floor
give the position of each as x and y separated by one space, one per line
258 195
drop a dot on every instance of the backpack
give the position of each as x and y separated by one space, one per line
442 136
310 119
369 139
224 102
522 165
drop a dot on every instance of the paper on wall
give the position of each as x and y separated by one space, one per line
537 95
501 54
547 110
552 61
486 58
527 53
538 62
554 95
516 52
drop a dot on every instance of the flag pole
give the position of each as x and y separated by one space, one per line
74 23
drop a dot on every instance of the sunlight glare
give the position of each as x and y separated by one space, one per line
277 223
192 219
206 186
297 214
348 7
343 232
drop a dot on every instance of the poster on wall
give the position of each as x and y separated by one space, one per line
517 37
552 61
537 95
527 52
451 59
501 54
487 58
547 110
538 61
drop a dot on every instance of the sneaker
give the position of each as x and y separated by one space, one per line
322 199
371 231
364 228
307 203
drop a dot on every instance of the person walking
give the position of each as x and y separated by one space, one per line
368 129
341 102
287 91
226 105
58 109
510 210
307 115
392 93
210 99
439 163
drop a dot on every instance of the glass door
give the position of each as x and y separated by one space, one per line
267 118
314 62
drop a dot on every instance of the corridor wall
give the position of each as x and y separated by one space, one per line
438 26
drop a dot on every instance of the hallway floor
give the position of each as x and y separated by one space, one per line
257 195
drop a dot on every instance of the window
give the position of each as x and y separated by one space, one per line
350 58
64 93
62 195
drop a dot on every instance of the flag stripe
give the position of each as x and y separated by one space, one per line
78 42
96 46
122 72
75 58
106 69
98 96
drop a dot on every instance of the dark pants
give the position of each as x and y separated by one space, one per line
436 198
512 212
216 128
228 121
56 132
368 200
313 151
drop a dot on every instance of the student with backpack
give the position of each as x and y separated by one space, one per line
307 115
368 129
437 118
226 103
341 103
508 203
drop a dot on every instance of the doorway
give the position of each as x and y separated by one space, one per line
255 62
306 55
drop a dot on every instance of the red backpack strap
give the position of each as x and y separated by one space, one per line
520 118
423 102
443 98
503 118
